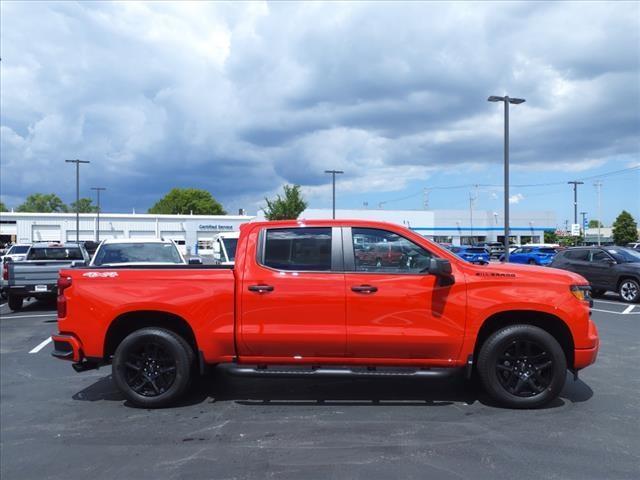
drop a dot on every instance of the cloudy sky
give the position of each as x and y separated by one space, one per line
241 98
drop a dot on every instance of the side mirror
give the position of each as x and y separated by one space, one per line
195 261
78 263
441 268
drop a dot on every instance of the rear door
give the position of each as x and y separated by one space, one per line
293 298
394 310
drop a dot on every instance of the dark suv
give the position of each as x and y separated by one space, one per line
607 268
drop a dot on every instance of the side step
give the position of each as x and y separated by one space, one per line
308 371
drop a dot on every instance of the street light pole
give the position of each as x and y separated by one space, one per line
333 174
516 101
584 220
575 184
77 162
598 186
98 190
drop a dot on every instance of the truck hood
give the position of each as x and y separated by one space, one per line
514 271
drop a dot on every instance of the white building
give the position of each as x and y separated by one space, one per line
455 226
194 233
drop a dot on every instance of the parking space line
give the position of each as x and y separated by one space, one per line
2 305
628 309
31 316
40 346
607 301
614 313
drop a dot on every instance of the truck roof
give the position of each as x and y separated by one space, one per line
339 222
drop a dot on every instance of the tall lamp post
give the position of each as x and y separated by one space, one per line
333 174
507 100
98 190
77 162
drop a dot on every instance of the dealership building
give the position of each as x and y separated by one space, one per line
196 233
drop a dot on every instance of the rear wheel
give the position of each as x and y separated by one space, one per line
522 366
15 303
531 261
152 367
629 290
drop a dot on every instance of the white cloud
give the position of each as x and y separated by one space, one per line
515 199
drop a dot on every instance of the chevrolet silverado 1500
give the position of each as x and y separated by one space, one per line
300 300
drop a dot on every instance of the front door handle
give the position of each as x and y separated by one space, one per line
364 289
261 288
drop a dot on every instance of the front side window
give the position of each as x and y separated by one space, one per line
113 253
306 249
598 256
381 251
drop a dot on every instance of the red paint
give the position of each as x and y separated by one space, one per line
315 317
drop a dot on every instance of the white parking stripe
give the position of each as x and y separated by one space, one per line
31 316
40 346
628 309
2 305
615 313
607 301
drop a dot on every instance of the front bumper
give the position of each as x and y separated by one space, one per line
583 357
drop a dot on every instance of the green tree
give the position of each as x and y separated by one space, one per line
550 236
85 206
188 200
43 203
594 224
287 207
625 229
3 207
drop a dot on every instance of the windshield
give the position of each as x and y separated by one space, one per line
625 254
17 249
230 245
137 252
55 253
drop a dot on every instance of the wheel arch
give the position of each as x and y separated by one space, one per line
552 324
626 276
129 322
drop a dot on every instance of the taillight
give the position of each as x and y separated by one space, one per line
5 271
63 284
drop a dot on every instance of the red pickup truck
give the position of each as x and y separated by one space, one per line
300 302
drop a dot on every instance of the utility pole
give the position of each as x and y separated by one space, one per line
575 184
77 162
333 174
598 186
516 101
98 190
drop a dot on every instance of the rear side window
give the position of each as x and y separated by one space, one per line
476 250
55 253
577 255
307 249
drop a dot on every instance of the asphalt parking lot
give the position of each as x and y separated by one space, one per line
57 424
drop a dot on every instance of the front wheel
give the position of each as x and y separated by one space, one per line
522 366
629 290
152 367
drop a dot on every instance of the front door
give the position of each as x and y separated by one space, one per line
394 309
600 271
293 301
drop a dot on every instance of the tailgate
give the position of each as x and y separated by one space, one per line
35 273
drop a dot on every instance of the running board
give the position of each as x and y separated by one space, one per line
302 371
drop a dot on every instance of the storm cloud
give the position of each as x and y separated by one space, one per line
240 98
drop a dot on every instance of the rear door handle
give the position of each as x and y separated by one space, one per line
260 288
364 289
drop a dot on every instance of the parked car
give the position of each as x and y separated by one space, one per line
15 253
614 269
471 254
531 255
634 246
37 275
120 252
495 249
224 247
299 296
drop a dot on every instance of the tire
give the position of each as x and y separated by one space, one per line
509 378
629 290
15 303
531 261
152 367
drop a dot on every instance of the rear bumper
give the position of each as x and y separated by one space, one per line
67 347
30 291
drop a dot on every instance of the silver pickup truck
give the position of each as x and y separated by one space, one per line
37 275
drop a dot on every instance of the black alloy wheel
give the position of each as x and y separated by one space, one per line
152 367
522 366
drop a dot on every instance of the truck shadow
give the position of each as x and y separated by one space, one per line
218 386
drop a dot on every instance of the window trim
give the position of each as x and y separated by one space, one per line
337 263
349 253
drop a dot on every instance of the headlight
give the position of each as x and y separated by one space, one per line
581 292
